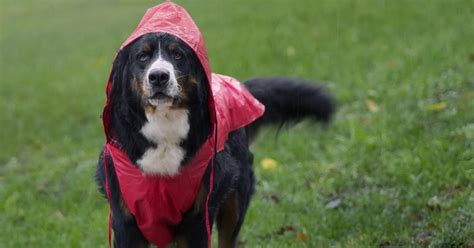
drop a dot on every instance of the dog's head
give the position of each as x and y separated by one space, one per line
157 74
158 70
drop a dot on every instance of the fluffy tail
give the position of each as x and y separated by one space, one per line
289 100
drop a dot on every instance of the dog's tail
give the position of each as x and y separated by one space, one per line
289 100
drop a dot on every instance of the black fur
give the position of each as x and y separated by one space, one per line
285 100
289 100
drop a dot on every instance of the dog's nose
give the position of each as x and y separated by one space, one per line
159 78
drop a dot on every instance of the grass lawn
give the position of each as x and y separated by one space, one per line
396 167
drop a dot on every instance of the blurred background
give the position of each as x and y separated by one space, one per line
395 168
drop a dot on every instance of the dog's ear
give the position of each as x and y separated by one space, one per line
125 100
202 83
120 75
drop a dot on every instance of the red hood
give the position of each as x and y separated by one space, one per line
157 202
172 19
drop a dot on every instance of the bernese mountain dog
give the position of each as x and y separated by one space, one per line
158 81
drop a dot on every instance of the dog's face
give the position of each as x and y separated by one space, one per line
164 71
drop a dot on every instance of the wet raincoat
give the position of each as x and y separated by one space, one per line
158 202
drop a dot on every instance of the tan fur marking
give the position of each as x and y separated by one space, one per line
198 205
149 108
124 208
146 48
138 85
192 79
227 220
200 199
181 241
184 88
172 46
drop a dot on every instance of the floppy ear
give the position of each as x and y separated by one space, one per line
120 75
122 86
202 84
124 99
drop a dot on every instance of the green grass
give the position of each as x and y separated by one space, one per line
407 57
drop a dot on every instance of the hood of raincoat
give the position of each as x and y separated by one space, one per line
158 202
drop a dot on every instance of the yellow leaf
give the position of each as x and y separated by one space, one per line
437 106
372 106
99 61
302 237
58 214
268 164
290 51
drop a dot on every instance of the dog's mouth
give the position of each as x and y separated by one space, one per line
163 98
160 96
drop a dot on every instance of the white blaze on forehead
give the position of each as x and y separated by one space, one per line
162 64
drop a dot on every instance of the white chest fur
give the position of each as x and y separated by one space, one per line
167 128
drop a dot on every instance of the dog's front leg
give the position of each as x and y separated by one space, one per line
124 226
192 233
126 232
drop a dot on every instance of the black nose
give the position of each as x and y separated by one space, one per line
159 78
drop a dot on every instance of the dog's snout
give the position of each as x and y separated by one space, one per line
159 78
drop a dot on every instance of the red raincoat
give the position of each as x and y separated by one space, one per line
157 202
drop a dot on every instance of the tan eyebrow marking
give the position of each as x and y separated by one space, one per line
172 46
146 47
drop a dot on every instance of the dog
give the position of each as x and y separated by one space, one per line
161 97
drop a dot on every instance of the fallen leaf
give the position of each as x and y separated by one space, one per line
290 51
437 106
268 164
302 237
372 106
58 214
286 228
315 34
334 203
424 238
273 197
42 186
385 244
434 203
241 243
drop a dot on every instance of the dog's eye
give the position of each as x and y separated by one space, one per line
143 57
177 55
